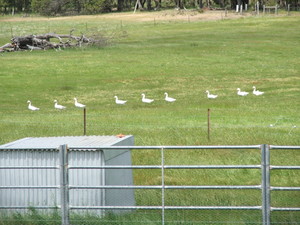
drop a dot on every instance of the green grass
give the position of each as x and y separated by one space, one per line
184 59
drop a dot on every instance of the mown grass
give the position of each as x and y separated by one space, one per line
184 59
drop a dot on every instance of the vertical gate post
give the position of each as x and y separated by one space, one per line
64 184
266 198
162 186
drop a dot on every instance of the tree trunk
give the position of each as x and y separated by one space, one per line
157 4
148 4
120 5
239 2
200 4
7 47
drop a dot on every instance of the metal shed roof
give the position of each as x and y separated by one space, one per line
71 141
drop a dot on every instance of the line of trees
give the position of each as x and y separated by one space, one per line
76 7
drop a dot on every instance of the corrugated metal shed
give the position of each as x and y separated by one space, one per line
71 141
41 151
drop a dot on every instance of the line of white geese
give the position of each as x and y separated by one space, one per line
144 99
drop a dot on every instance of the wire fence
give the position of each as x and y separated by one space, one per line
219 118
180 130
164 191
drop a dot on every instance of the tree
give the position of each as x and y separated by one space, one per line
96 6
47 7
4 4
120 5
200 4
157 4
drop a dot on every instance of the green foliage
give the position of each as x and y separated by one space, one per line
47 7
271 2
56 7
4 3
96 6
18 5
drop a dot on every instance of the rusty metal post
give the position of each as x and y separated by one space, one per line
208 124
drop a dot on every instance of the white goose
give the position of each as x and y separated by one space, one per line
169 99
77 104
120 102
146 100
57 106
211 95
257 92
242 93
31 107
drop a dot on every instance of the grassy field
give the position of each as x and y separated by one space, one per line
181 57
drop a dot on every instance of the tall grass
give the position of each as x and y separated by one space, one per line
183 59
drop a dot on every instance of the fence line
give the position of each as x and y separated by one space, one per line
64 187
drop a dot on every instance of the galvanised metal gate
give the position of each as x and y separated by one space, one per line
265 186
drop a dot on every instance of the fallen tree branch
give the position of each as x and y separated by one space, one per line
7 47
44 42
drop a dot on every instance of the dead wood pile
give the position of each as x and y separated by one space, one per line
44 42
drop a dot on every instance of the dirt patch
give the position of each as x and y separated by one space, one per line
166 15
185 15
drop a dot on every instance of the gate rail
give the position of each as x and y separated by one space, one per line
264 186
274 188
